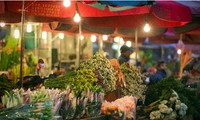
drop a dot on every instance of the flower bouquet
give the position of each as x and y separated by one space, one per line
169 107
80 107
93 107
68 106
121 108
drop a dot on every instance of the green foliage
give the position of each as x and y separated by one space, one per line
154 91
9 55
78 80
147 57
83 80
31 62
59 82
134 82
102 66
5 84
187 96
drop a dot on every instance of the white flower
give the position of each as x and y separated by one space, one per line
155 115
162 106
182 112
177 107
173 99
184 106
164 102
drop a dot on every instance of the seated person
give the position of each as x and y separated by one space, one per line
160 73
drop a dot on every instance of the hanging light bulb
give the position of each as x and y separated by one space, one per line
44 35
117 39
147 28
2 24
61 35
114 46
77 17
29 28
66 3
16 33
93 38
105 37
128 43
82 37
179 51
121 40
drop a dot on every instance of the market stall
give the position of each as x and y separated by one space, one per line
99 88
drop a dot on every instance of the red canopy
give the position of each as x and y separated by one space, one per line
160 14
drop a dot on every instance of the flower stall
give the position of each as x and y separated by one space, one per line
79 94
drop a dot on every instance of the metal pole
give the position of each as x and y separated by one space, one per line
100 44
22 46
136 44
78 45
80 48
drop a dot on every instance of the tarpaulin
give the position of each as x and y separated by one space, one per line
193 5
89 11
45 9
57 10
2 7
171 11
131 21
125 2
85 28
194 24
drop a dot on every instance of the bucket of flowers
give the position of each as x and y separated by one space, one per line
169 107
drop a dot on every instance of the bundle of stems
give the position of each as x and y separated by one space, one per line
185 58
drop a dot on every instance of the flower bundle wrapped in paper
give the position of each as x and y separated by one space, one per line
121 108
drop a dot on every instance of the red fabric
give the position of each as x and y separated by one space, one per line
45 9
10 17
194 32
57 10
131 21
2 7
162 14
89 11
172 11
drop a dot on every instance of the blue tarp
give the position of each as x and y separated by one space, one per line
125 3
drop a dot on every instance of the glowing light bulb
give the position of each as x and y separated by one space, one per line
82 37
77 18
2 24
117 39
16 33
66 3
61 35
147 28
179 51
121 40
114 46
105 37
128 43
29 28
44 35
93 38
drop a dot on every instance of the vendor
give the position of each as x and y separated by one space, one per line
42 69
125 54
160 74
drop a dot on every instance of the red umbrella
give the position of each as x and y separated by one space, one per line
161 13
